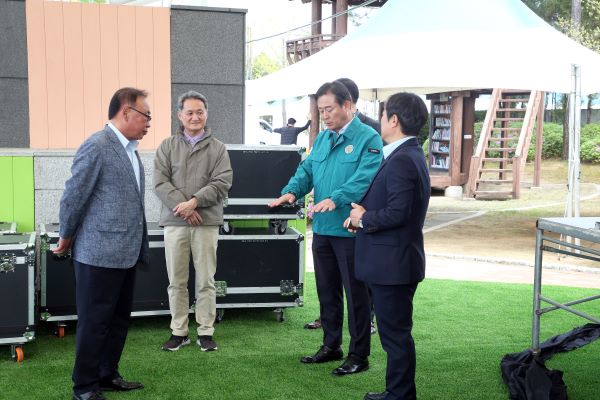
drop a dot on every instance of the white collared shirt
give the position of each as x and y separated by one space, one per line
345 126
389 148
130 147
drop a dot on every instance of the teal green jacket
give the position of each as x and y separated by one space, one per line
342 173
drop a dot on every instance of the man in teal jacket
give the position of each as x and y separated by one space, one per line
340 167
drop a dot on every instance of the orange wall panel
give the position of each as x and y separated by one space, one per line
36 71
80 54
127 47
109 51
144 46
162 76
55 75
74 75
95 112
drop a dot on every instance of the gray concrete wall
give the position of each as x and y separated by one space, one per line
207 55
53 168
14 98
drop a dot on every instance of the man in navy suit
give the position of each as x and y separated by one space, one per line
389 253
102 219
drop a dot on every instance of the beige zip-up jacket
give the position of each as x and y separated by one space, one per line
182 171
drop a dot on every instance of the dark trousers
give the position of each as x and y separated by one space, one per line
394 309
104 298
334 272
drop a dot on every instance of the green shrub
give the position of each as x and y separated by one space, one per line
425 147
590 151
552 142
424 132
590 143
589 131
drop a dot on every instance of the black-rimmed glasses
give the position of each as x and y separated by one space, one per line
148 116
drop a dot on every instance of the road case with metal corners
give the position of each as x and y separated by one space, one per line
57 281
258 269
150 295
259 174
17 290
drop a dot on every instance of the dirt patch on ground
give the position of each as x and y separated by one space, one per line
503 229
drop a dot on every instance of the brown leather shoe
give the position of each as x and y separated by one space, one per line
324 354
316 324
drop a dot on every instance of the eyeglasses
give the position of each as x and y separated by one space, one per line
148 116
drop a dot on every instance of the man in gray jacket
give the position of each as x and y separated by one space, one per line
192 175
102 219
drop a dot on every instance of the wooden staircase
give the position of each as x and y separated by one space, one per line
498 163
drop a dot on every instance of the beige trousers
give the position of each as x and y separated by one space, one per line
202 242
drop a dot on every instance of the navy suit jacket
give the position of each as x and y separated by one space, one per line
389 248
102 208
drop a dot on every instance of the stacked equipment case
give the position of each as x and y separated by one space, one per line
260 261
18 288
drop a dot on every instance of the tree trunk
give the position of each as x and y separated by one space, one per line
588 119
576 13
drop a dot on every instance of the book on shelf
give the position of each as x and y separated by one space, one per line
441 134
440 147
442 122
441 108
439 161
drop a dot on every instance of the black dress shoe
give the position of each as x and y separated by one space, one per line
89 396
316 324
375 396
352 365
119 385
324 354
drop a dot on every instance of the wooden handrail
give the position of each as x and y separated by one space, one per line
516 184
486 131
531 106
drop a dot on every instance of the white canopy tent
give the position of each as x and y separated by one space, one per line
431 46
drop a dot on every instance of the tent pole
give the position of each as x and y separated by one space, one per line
539 132
576 138
574 134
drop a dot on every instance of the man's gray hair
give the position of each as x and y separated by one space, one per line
191 94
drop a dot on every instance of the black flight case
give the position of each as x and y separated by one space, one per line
17 290
254 269
259 174
57 281
258 269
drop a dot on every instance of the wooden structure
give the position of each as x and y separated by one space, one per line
451 131
498 163
301 48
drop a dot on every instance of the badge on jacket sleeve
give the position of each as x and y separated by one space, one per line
349 149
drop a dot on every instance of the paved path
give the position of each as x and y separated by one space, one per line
464 268
467 268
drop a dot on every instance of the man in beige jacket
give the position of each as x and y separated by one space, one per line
192 175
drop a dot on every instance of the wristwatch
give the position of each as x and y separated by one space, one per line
360 223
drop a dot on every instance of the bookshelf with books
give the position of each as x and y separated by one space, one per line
451 126
440 134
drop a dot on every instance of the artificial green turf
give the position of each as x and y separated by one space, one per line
462 330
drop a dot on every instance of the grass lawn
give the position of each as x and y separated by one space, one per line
462 330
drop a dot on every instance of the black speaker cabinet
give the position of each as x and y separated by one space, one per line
17 291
